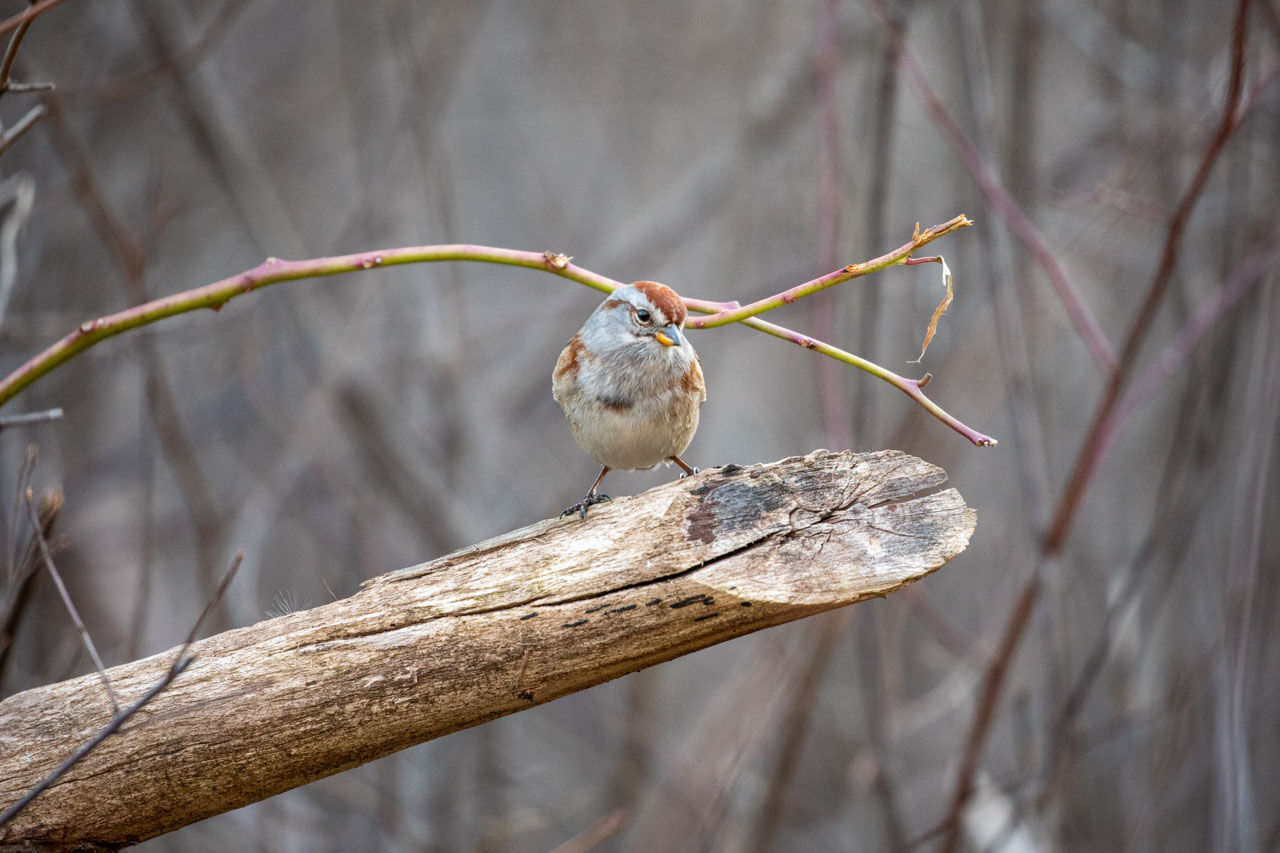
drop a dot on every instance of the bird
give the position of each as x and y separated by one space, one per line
630 384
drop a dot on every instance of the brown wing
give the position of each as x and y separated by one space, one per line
566 372
693 381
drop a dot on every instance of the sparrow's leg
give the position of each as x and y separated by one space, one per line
688 472
591 499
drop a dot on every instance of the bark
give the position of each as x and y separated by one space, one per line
493 629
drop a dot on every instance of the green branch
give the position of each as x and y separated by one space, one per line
786 297
273 270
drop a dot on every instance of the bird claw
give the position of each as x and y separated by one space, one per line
695 471
581 506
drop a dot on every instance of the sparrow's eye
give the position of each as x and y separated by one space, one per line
643 316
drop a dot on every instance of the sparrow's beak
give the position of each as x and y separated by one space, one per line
668 336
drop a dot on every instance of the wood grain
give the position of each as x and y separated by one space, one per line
489 630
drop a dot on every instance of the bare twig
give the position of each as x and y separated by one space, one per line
1004 206
30 417
140 82
1092 448
1248 274
1091 451
900 255
15 511
90 745
988 699
180 662
825 311
66 598
11 52
38 86
21 572
10 24
21 126
910 387
879 161
273 270
129 254
794 725
601 829
21 189
1237 780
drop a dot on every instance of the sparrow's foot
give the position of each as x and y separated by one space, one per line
581 506
691 473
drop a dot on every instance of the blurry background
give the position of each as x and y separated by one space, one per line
339 428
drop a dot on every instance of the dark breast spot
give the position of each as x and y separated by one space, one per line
615 404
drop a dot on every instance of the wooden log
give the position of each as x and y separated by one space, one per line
489 630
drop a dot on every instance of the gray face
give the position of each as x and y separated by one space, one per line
636 344
630 321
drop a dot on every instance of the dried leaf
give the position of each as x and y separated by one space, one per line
937 312
557 261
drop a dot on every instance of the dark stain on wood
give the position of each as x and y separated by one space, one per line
574 624
528 616
727 505
704 617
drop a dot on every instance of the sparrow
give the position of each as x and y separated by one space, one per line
630 384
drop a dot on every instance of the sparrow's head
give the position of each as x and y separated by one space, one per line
645 313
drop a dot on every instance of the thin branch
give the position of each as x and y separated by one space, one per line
1003 204
1091 452
180 662
601 829
38 86
129 253
90 745
900 255
825 310
168 68
273 270
794 726
985 714
11 52
1092 448
15 510
1248 274
227 577
21 126
30 417
910 387
21 190
22 572
8 25
38 532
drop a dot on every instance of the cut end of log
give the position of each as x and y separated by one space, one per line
488 630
